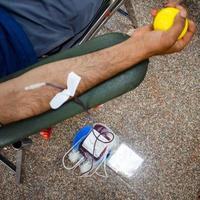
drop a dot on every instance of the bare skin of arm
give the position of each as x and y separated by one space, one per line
93 68
17 104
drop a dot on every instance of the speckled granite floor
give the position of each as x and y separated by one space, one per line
160 119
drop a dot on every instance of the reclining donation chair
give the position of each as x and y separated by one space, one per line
18 132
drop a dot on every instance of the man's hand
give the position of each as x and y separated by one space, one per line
165 42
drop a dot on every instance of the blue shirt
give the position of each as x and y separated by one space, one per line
49 23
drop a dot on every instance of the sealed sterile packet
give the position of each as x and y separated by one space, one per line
124 161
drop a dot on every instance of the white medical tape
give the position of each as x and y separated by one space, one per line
73 81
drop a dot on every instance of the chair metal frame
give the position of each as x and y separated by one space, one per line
16 169
93 30
111 9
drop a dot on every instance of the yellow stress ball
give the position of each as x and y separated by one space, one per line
165 19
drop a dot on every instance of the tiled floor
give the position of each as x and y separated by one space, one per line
160 120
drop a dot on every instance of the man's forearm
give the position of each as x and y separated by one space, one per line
94 68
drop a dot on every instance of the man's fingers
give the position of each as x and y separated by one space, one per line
192 27
179 23
182 9
187 37
182 43
154 12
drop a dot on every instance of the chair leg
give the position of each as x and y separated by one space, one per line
19 161
8 164
17 169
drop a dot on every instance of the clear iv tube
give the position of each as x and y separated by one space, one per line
63 159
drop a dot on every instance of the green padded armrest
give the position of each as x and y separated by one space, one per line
100 94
